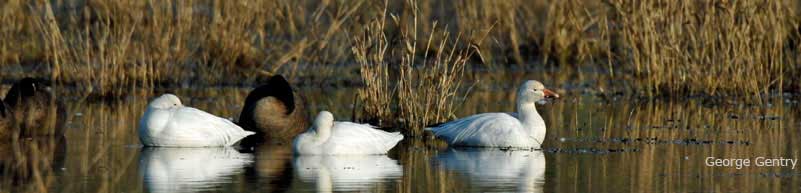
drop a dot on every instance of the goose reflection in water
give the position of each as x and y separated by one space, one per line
347 173
190 169
271 170
520 171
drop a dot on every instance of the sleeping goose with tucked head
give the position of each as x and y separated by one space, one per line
523 129
168 123
274 112
327 137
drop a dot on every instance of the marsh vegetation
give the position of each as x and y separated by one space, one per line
649 87
414 59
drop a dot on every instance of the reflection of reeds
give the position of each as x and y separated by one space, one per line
29 165
418 176
674 162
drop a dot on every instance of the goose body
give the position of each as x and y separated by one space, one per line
168 123
275 112
327 137
524 129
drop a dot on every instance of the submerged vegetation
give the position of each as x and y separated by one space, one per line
414 60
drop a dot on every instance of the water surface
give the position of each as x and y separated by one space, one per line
594 144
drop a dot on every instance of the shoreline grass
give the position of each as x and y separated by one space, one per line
654 47
415 62
417 90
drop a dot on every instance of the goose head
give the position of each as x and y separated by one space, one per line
165 101
324 120
532 91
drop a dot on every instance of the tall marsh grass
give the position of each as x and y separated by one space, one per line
650 47
417 90
706 47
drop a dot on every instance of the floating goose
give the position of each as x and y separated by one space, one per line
524 129
274 111
330 138
168 123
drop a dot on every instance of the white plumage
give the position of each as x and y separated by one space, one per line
168 123
190 169
502 170
348 173
524 129
327 137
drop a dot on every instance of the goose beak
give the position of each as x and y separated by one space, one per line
550 94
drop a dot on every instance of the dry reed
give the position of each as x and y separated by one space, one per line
646 47
420 89
705 47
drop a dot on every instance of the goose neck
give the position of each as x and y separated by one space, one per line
528 115
323 132
527 108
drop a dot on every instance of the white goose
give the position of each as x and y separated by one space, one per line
327 137
524 129
168 123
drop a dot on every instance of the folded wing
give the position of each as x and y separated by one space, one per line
354 138
193 127
487 129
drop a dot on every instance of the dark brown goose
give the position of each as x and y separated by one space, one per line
31 110
275 112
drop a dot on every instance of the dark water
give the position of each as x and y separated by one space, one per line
594 144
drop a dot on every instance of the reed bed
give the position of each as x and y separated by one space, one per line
655 47
707 47
415 91
412 62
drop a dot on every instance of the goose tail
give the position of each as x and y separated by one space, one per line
394 139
